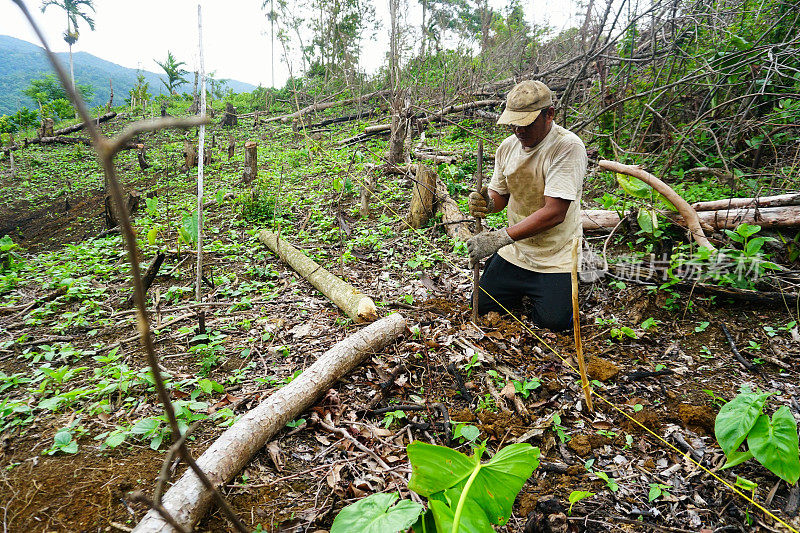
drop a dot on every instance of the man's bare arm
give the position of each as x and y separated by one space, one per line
548 216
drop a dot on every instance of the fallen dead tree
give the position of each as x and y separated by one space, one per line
64 140
321 106
188 500
456 224
780 200
82 125
767 217
422 119
683 207
356 305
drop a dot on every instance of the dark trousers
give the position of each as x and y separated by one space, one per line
549 296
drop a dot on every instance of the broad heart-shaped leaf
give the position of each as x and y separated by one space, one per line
736 418
375 514
647 220
495 486
774 444
435 468
737 458
473 519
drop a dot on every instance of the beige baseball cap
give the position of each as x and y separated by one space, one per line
524 103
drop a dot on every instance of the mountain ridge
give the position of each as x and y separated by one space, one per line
21 62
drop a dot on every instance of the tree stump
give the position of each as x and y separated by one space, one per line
189 155
250 161
256 118
231 147
144 164
366 191
229 118
423 193
399 128
131 205
46 128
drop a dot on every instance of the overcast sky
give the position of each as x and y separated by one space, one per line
235 34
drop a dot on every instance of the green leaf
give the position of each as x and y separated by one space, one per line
774 444
647 220
62 438
473 519
577 495
375 514
655 492
115 440
436 468
495 486
737 458
72 447
470 433
151 235
190 228
145 426
747 230
740 43
736 418
754 245
634 186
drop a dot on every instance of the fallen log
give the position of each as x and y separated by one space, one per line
421 119
63 140
187 500
321 106
435 157
79 127
456 224
780 200
683 207
356 305
767 217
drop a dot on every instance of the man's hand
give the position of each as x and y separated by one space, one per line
485 244
480 203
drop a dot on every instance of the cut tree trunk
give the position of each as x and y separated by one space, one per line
422 197
189 155
250 161
356 305
399 129
149 276
456 224
188 500
762 201
366 192
231 147
767 217
229 118
144 164
46 128
683 207
326 105
79 127
111 216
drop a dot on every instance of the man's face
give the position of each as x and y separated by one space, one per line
532 134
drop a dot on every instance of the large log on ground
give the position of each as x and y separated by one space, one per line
456 224
766 217
761 201
677 200
79 127
187 500
356 305
326 105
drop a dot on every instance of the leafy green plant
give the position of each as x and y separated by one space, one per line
657 490
392 416
622 332
524 388
63 442
464 494
773 442
466 432
577 495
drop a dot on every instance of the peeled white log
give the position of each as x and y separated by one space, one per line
456 224
766 217
188 500
356 305
761 201
677 200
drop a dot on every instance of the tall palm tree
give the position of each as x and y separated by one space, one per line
73 10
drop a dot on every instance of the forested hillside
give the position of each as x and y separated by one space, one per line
21 62
274 288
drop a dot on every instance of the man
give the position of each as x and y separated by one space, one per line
538 174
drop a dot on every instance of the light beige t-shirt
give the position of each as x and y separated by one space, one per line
555 167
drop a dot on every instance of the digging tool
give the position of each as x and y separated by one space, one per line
576 327
476 270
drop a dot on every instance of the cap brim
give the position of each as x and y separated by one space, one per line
518 118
